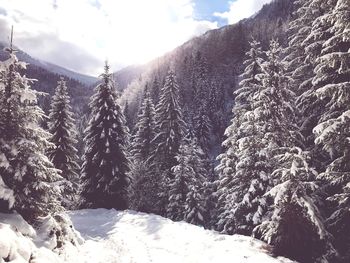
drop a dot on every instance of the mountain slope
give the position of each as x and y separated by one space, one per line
224 47
55 69
224 50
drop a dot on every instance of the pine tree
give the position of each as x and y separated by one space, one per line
196 209
214 106
203 128
275 110
186 200
178 186
145 180
299 66
142 145
64 155
199 104
296 228
200 79
230 186
274 120
127 116
144 196
315 32
332 84
170 129
25 168
155 90
169 123
105 168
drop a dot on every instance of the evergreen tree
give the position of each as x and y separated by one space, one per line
155 90
199 103
276 132
264 127
169 124
145 180
127 115
178 186
105 168
296 228
332 84
144 196
213 103
203 128
142 145
196 208
170 129
316 28
64 155
232 187
186 200
24 167
299 66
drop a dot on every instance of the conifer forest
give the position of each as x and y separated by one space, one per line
243 131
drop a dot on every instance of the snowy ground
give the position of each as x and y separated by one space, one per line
128 237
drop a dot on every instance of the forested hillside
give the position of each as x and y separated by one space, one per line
244 130
216 56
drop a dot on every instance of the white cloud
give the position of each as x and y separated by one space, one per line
81 34
241 9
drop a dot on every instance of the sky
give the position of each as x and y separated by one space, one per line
81 34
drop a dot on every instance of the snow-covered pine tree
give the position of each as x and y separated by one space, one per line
230 188
200 79
275 109
144 195
64 154
196 209
298 66
275 120
186 201
203 127
214 105
332 84
169 122
178 186
199 105
142 145
319 11
296 228
170 129
145 182
105 169
316 28
127 115
25 168
155 90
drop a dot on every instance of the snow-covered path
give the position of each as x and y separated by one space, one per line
127 237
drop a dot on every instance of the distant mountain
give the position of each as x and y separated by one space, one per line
48 74
84 79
